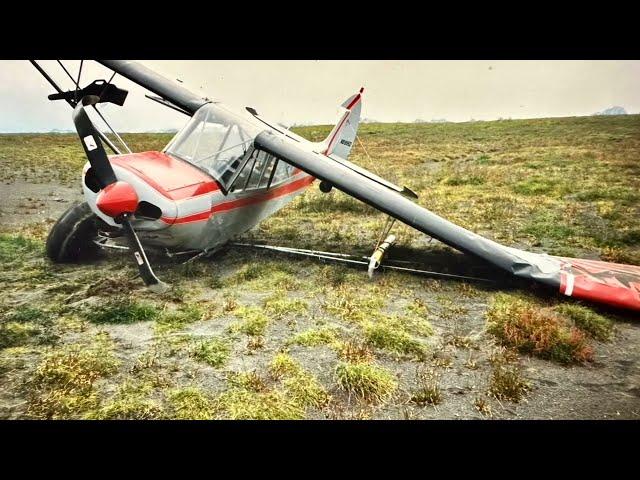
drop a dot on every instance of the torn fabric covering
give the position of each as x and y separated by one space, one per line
607 283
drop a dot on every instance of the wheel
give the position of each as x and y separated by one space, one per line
325 187
71 238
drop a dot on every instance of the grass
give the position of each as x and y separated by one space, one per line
506 383
366 381
280 306
299 385
180 317
250 398
214 352
15 247
316 336
254 321
427 391
390 336
190 404
131 402
564 186
122 311
533 328
63 383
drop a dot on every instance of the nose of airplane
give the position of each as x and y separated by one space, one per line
117 199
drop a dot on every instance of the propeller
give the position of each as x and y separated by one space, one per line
116 199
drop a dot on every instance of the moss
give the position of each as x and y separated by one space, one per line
594 324
214 352
366 381
531 328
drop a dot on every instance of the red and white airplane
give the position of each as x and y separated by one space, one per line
226 171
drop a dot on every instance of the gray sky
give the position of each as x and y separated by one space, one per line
293 91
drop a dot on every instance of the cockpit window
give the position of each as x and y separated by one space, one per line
214 140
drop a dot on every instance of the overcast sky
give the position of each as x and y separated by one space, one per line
309 91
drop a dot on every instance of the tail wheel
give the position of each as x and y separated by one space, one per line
71 238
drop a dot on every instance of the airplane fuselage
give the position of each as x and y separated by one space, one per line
191 209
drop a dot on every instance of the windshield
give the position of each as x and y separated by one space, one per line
215 140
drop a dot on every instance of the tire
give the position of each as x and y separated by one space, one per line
71 238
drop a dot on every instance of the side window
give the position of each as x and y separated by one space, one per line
256 172
283 171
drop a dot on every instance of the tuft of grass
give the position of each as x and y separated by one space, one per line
15 334
280 306
254 321
348 305
179 318
283 365
531 329
120 311
24 314
594 324
366 381
315 336
299 385
507 383
62 385
355 351
214 352
428 387
390 336
130 403
190 404
483 406
266 275
249 398
241 404
16 247
248 381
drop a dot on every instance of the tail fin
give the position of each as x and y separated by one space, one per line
341 138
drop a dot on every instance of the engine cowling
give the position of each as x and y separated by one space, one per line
117 199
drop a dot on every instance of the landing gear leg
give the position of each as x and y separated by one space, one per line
149 278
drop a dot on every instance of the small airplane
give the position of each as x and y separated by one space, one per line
226 171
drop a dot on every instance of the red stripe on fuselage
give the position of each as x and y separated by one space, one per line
243 202
262 197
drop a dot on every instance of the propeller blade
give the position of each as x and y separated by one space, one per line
91 143
149 278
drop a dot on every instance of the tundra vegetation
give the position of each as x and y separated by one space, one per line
256 335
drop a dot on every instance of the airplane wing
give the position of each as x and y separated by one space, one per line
169 91
607 283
